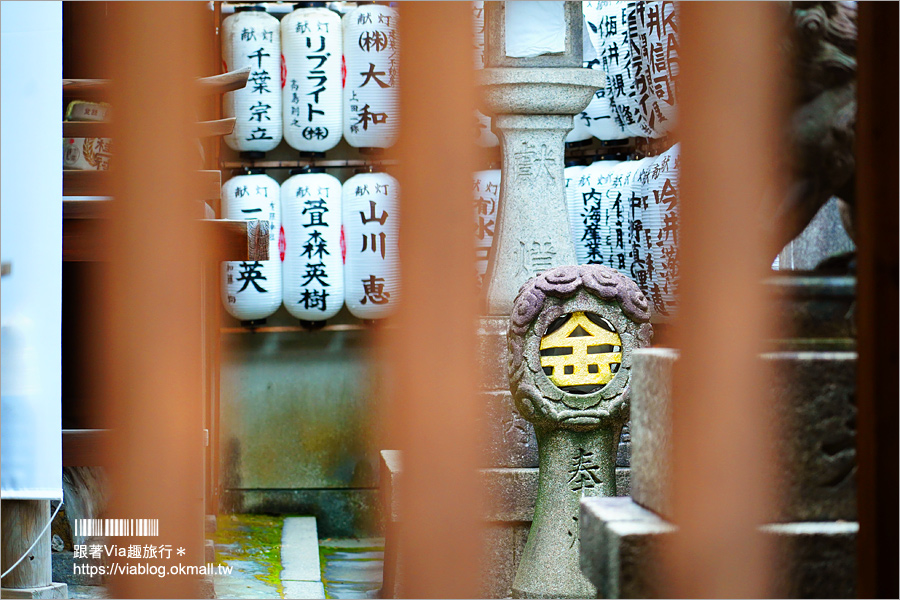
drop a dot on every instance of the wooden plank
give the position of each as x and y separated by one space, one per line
83 447
214 84
85 209
96 183
101 129
84 237
297 328
237 239
226 82
22 522
294 164
85 87
217 127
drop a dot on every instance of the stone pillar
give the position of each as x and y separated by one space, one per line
531 100
571 338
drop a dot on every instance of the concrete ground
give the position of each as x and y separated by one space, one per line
275 557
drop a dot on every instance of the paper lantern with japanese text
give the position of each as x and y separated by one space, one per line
371 224
579 131
251 290
638 236
591 213
572 174
599 117
371 95
313 263
661 222
486 190
312 43
608 28
252 38
655 28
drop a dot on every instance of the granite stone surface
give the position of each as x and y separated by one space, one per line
814 409
620 553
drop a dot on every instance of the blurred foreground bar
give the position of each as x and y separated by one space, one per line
432 348
151 307
730 123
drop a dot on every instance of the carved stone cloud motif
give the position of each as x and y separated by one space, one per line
607 307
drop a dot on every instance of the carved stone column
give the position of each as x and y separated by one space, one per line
532 100
571 337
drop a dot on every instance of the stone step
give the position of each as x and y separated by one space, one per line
301 573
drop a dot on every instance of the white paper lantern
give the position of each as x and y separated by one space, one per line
312 43
638 238
599 117
313 263
371 95
591 213
252 38
656 25
486 190
608 27
371 224
661 222
580 131
251 290
573 173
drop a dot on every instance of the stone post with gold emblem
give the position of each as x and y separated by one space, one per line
570 338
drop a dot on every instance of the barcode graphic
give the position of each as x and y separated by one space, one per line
117 527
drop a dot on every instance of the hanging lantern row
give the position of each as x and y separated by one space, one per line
636 44
624 214
314 78
336 244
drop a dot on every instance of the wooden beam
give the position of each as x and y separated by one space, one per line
101 129
85 230
214 84
226 82
237 240
97 183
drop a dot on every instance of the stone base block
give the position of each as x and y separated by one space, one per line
620 544
813 402
54 590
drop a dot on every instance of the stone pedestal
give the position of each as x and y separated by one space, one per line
573 465
571 337
532 112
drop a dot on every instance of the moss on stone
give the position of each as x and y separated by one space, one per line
252 538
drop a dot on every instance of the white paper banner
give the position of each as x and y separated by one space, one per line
534 28
31 53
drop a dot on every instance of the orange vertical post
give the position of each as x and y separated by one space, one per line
731 102
151 305
431 347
